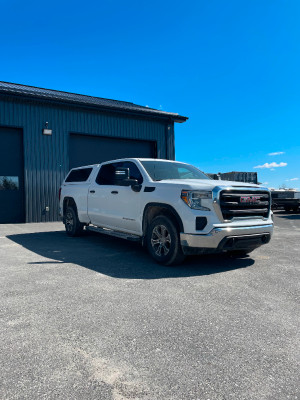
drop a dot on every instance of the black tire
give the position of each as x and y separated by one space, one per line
163 241
72 224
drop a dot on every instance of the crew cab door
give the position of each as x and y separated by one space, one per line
112 205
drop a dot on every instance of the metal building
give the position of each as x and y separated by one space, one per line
248 177
44 133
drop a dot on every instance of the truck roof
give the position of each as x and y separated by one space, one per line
128 159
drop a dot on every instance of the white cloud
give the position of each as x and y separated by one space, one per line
272 165
277 153
293 179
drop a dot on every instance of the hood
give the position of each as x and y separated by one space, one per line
200 184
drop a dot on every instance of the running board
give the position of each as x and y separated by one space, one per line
110 232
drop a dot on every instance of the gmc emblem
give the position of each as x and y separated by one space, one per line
249 199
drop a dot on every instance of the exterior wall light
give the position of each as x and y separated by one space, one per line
47 131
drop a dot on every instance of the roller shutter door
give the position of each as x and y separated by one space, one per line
86 149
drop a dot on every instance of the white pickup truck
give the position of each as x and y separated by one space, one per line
173 208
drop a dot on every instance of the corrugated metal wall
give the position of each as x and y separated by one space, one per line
46 159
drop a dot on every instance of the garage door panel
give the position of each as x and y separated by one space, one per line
86 149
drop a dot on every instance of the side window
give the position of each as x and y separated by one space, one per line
79 175
9 182
107 173
134 172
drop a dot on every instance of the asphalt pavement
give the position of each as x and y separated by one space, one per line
95 318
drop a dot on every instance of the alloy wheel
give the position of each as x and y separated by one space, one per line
69 221
160 240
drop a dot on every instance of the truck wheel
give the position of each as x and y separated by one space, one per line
72 224
163 241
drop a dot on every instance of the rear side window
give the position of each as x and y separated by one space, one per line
79 175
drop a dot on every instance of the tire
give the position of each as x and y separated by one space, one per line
72 224
163 241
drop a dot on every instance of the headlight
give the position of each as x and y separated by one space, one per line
194 199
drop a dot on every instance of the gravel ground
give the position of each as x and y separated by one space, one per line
95 318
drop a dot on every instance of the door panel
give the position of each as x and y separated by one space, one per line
113 205
116 207
11 176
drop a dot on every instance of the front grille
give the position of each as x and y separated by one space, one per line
241 203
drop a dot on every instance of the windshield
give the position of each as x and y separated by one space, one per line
160 170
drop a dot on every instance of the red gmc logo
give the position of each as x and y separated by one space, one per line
249 199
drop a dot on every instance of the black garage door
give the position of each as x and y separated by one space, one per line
11 176
85 149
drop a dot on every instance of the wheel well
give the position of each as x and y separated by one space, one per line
155 209
69 202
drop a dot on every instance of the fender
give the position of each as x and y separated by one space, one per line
165 206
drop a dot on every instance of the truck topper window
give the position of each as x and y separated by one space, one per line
79 175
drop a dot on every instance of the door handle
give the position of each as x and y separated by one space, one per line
114 192
92 191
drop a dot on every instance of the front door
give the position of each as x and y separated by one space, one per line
114 206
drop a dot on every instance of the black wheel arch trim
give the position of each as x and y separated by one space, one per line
166 206
68 202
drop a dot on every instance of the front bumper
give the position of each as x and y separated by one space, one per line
227 238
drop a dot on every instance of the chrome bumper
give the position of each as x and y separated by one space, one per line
213 239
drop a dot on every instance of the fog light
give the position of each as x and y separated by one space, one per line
201 223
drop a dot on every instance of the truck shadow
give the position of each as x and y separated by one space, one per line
118 258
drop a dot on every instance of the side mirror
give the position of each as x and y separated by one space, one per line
135 186
122 178
121 174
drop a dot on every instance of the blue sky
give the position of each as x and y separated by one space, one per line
232 67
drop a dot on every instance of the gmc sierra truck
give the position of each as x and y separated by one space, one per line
172 208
